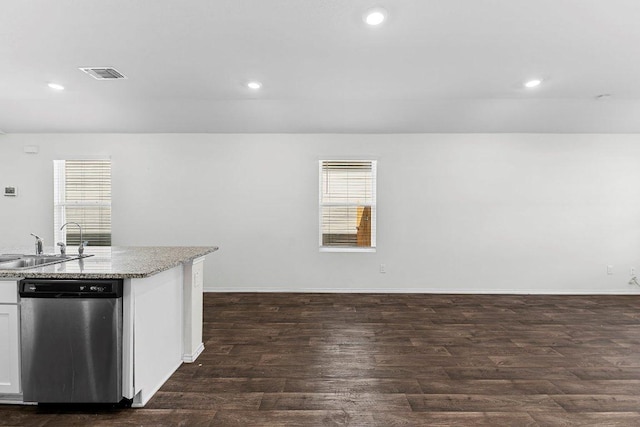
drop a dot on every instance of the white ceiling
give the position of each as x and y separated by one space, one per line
434 66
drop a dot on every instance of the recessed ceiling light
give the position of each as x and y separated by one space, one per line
375 17
532 83
254 85
55 86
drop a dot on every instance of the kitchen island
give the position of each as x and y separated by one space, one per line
161 319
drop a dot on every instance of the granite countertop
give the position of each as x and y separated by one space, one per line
110 262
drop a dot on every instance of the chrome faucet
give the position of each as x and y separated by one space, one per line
39 244
82 243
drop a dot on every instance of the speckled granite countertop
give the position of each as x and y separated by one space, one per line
110 262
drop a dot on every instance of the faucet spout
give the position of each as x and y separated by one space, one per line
82 242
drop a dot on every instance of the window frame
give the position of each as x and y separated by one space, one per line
373 204
59 197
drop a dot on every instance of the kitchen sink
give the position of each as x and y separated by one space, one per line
23 262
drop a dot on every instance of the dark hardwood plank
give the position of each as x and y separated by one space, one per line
343 370
617 387
428 360
341 349
504 350
33 416
482 402
626 361
447 419
611 350
511 373
598 402
490 387
293 418
606 373
226 385
135 418
372 419
594 419
545 361
353 385
204 401
347 401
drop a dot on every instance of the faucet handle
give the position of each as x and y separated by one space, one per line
63 248
81 246
39 244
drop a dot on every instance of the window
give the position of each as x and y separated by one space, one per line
348 205
82 194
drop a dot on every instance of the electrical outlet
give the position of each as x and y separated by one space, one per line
383 268
609 269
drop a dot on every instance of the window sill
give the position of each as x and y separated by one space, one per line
336 249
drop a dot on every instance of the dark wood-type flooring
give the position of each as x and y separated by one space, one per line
387 360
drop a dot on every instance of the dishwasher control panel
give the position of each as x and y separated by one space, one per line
48 288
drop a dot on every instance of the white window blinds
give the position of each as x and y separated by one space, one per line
82 194
347 204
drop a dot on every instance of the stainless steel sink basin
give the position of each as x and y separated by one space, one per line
20 262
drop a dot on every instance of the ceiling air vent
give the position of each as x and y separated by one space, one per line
103 73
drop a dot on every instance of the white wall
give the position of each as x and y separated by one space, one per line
537 213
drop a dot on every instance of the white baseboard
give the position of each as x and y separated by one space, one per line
410 290
190 358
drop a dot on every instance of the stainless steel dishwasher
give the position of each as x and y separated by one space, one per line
71 340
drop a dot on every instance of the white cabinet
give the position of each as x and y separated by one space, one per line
9 338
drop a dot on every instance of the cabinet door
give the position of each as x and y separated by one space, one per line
196 306
192 293
9 351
